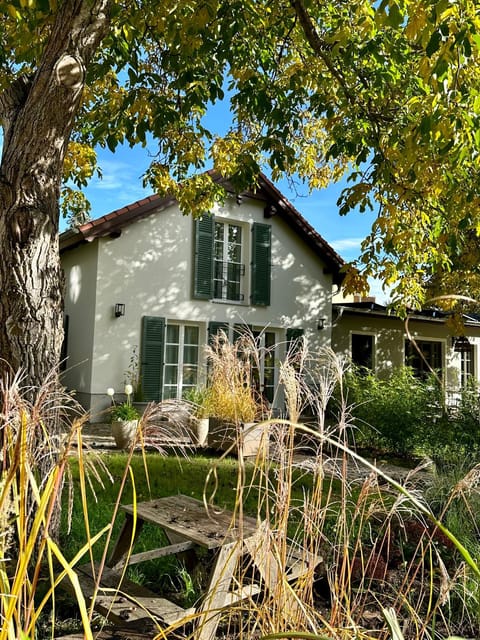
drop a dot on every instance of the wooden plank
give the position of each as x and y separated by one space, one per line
116 608
218 590
161 552
300 561
133 601
118 633
187 517
124 543
247 591
259 548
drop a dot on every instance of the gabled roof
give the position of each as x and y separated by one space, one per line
111 224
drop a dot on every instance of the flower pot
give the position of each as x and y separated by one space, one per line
200 431
252 438
223 435
124 432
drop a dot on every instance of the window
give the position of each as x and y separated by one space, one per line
265 374
430 357
466 365
181 360
228 268
362 350
220 271
168 359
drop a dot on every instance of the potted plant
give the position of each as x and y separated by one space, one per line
199 399
233 399
123 419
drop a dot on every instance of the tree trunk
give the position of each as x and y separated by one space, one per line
38 114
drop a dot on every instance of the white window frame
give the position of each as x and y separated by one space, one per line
243 282
180 387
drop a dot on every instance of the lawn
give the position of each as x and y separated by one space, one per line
166 476
379 551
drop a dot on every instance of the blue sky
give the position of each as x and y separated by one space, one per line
121 184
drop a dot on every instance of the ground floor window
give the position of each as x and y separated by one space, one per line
264 362
362 350
466 365
264 372
181 359
426 356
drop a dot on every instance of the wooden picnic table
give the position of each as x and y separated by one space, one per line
188 524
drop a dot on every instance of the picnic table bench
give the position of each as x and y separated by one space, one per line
187 524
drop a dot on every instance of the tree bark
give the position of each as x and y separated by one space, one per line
38 115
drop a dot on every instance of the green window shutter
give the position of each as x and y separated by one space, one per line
203 264
261 263
215 327
152 357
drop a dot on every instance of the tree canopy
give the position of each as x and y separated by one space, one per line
386 92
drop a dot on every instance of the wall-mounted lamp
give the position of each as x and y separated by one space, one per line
321 324
119 309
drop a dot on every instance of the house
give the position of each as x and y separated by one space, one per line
373 337
147 280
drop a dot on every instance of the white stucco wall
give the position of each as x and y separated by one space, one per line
80 268
150 266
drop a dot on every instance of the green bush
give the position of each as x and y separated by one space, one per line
398 415
406 416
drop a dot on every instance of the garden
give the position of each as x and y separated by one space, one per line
394 558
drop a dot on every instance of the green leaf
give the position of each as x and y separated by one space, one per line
433 44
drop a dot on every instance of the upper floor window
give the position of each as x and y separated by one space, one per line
220 271
228 268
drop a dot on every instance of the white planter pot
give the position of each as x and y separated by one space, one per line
199 428
123 432
222 436
202 428
252 438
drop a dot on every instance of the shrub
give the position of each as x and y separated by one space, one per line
398 414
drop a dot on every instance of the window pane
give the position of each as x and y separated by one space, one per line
234 234
191 335
173 333
362 350
169 393
171 374
171 354
219 231
219 251
234 253
190 355
432 357
189 375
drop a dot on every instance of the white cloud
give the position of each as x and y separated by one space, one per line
345 244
